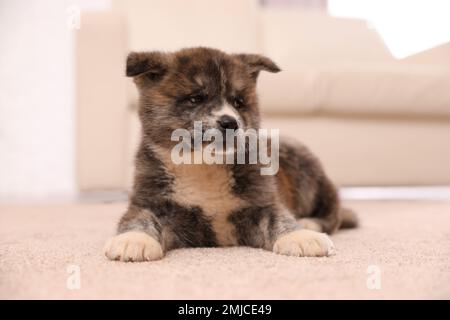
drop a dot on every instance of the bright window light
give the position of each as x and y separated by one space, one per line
406 26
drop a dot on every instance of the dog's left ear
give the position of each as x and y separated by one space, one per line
153 63
256 63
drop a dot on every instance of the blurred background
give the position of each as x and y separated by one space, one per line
365 84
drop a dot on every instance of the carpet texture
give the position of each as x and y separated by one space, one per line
43 247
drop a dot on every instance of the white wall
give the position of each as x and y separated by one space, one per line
407 27
36 100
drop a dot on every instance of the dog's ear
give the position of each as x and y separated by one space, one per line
153 64
256 63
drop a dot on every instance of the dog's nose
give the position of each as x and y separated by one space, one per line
227 122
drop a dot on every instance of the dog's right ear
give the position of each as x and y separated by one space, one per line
153 64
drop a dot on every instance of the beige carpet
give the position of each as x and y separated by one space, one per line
408 241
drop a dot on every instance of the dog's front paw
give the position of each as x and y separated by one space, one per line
304 243
133 246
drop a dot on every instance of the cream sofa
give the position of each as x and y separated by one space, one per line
372 120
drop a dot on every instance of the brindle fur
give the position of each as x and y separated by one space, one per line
222 204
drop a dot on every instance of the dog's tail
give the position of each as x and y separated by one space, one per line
349 219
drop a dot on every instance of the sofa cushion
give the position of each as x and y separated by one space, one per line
384 89
299 37
340 65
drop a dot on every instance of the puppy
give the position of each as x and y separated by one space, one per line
207 205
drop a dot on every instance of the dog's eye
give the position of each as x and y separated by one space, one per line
238 102
152 76
196 99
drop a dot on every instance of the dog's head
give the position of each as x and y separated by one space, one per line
196 84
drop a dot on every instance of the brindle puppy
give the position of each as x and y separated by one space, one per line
200 205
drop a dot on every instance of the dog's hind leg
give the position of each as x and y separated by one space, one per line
307 192
328 216
325 212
